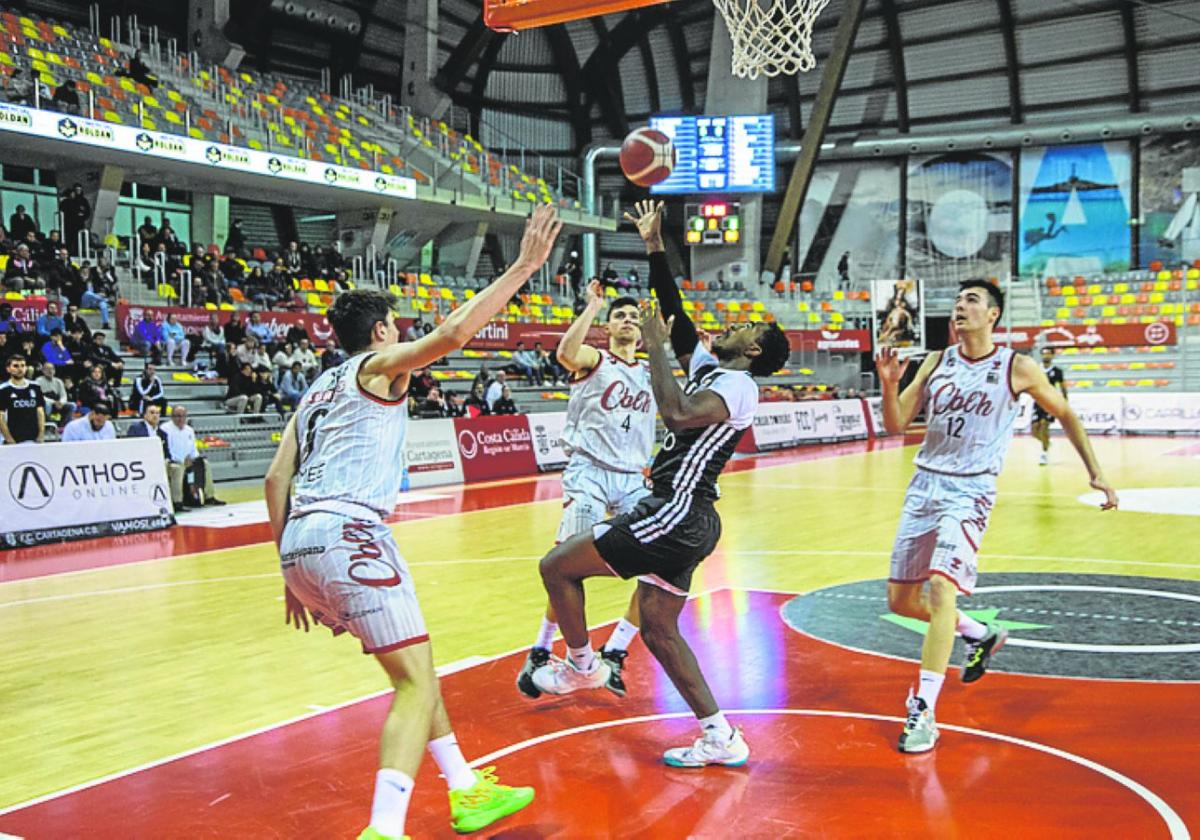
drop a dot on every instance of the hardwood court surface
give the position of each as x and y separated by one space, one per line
114 660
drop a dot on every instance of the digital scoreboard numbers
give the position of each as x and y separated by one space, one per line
719 154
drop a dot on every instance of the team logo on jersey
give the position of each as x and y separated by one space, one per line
617 395
31 486
993 374
949 399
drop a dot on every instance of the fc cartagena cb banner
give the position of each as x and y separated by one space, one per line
71 491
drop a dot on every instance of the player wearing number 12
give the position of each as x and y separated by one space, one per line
970 395
344 448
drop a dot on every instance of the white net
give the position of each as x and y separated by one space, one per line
771 37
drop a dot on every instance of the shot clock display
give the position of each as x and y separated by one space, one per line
713 223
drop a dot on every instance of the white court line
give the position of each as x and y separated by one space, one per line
788 552
449 668
1166 813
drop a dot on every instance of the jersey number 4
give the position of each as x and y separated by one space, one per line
625 425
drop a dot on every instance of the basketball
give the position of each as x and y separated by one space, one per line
647 157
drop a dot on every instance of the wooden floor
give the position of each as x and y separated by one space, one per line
110 668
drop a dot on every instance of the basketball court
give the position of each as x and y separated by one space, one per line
197 712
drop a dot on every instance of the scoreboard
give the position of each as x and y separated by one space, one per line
719 154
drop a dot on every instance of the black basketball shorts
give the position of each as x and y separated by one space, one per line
661 541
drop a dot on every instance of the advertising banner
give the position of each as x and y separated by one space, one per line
547 429
874 416
26 312
898 315
72 491
785 424
836 341
193 320
494 447
1096 335
1161 412
139 141
431 454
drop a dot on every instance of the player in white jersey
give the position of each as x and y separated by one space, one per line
970 393
344 448
609 436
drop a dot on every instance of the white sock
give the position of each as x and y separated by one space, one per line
969 628
546 635
621 636
583 658
929 687
450 761
393 790
716 723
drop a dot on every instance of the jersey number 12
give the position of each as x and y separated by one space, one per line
954 426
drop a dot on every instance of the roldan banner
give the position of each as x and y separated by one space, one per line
73 491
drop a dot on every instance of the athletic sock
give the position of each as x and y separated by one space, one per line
621 636
393 790
929 687
716 723
583 658
450 761
969 628
546 635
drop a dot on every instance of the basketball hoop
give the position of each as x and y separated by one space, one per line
771 37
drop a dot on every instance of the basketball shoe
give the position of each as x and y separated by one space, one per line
980 653
559 676
1043 459
920 731
485 802
710 748
536 659
371 834
616 663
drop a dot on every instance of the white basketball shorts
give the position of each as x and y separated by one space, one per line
942 527
591 492
350 575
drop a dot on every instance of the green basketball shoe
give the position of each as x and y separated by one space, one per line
487 801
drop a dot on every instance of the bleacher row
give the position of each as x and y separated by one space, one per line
259 111
1084 371
1125 298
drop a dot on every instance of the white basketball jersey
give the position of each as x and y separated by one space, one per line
351 445
610 415
971 409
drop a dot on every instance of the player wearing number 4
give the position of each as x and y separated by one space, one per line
344 447
970 394
609 435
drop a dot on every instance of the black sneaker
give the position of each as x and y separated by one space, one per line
616 661
536 659
979 653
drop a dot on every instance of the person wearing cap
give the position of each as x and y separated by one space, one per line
96 425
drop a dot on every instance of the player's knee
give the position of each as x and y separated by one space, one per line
549 567
942 594
900 601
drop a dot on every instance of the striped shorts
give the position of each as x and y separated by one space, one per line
660 543
350 575
591 492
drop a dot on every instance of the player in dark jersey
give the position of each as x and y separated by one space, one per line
1041 419
22 406
670 531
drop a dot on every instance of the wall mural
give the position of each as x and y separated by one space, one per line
1170 199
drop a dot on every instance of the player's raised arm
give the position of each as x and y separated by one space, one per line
541 230
899 408
647 216
678 410
1029 378
572 353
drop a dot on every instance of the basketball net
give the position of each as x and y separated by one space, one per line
771 37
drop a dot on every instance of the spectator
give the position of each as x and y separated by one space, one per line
265 387
234 330
147 233
528 364
76 211
504 403
95 389
22 406
150 426
147 390
421 383
6 349
236 240
262 332
476 404
139 72
62 278
307 358
147 338
169 242
212 338
176 339
58 405
28 349
104 357
282 360
254 281
55 351
183 457
495 389
548 365
144 264
241 397
97 425
100 284
414 330
77 345
8 321
20 88
49 321
21 224
296 333
332 356
278 286
292 386
292 260
231 268
66 98
22 273
434 404
73 322
455 407
251 353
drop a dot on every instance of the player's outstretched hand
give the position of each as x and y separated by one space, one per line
647 216
294 612
889 366
1110 501
705 338
655 331
595 292
541 231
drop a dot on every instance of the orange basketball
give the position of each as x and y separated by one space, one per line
647 156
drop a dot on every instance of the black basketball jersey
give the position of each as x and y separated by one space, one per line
1054 374
20 407
691 460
